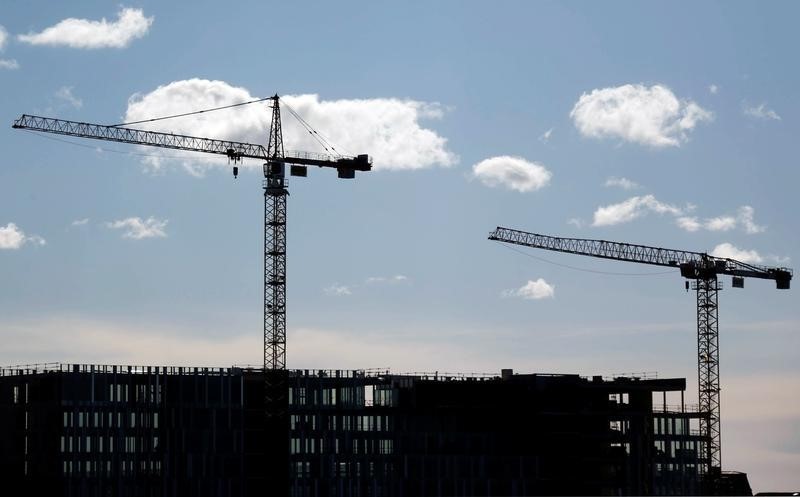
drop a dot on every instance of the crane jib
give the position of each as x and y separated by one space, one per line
232 149
692 265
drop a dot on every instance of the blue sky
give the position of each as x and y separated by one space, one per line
649 123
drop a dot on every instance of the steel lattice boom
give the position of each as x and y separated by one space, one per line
690 263
231 149
700 267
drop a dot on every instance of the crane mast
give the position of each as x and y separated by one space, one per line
703 269
276 405
276 381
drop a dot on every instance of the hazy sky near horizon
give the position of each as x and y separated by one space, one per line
663 124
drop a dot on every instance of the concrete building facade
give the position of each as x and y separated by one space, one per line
98 430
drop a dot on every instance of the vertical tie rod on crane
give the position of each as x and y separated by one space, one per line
275 193
700 267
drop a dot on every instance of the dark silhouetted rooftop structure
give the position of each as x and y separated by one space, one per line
90 430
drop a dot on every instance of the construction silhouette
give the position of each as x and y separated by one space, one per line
160 430
703 270
275 193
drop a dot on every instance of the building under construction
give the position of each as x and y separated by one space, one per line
92 430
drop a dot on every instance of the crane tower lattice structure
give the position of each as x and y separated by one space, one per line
703 270
275 193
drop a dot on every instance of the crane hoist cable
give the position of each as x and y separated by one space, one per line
319 137
190 113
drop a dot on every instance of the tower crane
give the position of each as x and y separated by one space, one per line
275 193
703 270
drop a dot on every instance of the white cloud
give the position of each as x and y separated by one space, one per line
713 89
398 278
577 222
646 115
83 33
721 223
631 209
138 228
13 238
532 290
514 173
80 222
388 129
761 112
65 93
6 63
743 219
545 137
337 290
689 223
623 183
728 251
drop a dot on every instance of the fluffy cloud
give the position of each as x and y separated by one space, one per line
137 228
574 221
532 290
688 223
514 173
623 183
13 238
398 278
761 112
713 89
6 63
80 222
65 93
631 209
728 251
636 113
337 290
743 219
83 33
387 129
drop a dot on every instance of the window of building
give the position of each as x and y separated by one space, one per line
300 396
329 396
385 446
